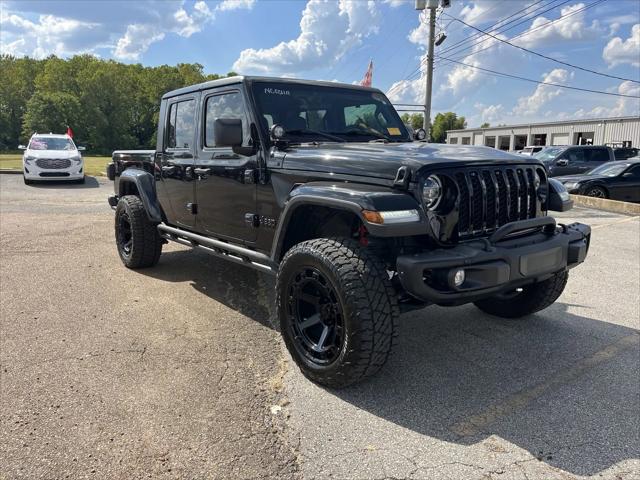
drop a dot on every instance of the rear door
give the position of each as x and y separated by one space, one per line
629 185
225 185
177 159
595 157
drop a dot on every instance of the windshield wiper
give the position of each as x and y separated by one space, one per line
307 131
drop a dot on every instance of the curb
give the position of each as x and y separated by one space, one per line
607 205
12 171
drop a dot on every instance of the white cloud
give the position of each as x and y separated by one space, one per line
398 3
619 51
572 28
328 30
622 107
236 5
50 34
490 113
531 104
480 11
136 41
90 26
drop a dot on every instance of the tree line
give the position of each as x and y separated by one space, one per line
441 123
108 105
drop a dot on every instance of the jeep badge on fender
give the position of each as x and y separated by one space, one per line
321 185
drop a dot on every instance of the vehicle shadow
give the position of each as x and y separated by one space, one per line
89 182
564 387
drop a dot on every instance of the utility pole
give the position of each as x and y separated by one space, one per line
429 87
432 6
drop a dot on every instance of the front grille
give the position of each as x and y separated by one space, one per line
53 163
491 197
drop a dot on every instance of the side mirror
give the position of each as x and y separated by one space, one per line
81 149
558 199
563 162
22 147
227 132
420 134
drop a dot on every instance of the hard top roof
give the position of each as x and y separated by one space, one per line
51 135
241 79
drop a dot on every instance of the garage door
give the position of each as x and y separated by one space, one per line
560 139
478 139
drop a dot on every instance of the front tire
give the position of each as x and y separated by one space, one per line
597 192
337 310
27 182
532 298
137 238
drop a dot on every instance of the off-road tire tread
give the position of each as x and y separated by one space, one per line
534 298
370 300
147 243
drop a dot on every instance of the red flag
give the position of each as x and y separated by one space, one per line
366 81
69 131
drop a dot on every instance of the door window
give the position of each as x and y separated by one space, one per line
635 171
597 155
181 125
574 156
227 105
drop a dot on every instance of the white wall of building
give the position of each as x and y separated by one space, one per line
599 131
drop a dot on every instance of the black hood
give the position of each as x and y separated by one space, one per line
382 160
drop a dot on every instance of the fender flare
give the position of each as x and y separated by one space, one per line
354 199
146 186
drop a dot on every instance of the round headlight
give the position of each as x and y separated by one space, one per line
432 192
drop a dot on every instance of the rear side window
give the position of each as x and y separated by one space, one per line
596 155
181 125
227 105
635 171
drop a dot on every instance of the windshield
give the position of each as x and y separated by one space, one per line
612 170
51 143
547 154
335 114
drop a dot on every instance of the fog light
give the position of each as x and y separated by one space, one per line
458 278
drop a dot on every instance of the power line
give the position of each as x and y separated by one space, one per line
508 75
475 36
541 55
527 32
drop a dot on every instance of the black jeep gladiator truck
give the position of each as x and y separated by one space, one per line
321 185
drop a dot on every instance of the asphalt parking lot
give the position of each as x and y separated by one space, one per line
178 371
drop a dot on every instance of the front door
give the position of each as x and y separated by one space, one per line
225 185
570 162
176 162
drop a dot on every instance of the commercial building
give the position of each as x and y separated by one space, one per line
620 131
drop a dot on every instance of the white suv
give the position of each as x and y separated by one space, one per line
52 157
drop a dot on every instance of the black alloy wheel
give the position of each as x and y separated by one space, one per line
597 192
316 316
125 238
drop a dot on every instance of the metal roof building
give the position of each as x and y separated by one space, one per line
620 131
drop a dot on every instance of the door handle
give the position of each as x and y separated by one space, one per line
201 171
169 169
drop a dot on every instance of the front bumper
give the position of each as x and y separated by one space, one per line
33 172
517 254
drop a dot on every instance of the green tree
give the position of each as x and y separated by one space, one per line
442 123
485 125
415 120
50 112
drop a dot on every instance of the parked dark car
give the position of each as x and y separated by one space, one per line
575 159
625 153
616 180
321 185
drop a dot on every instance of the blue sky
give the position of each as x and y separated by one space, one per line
334 40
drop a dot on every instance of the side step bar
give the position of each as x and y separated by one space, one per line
228 251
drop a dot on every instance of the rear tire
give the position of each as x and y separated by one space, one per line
531 299
337 310
138 241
